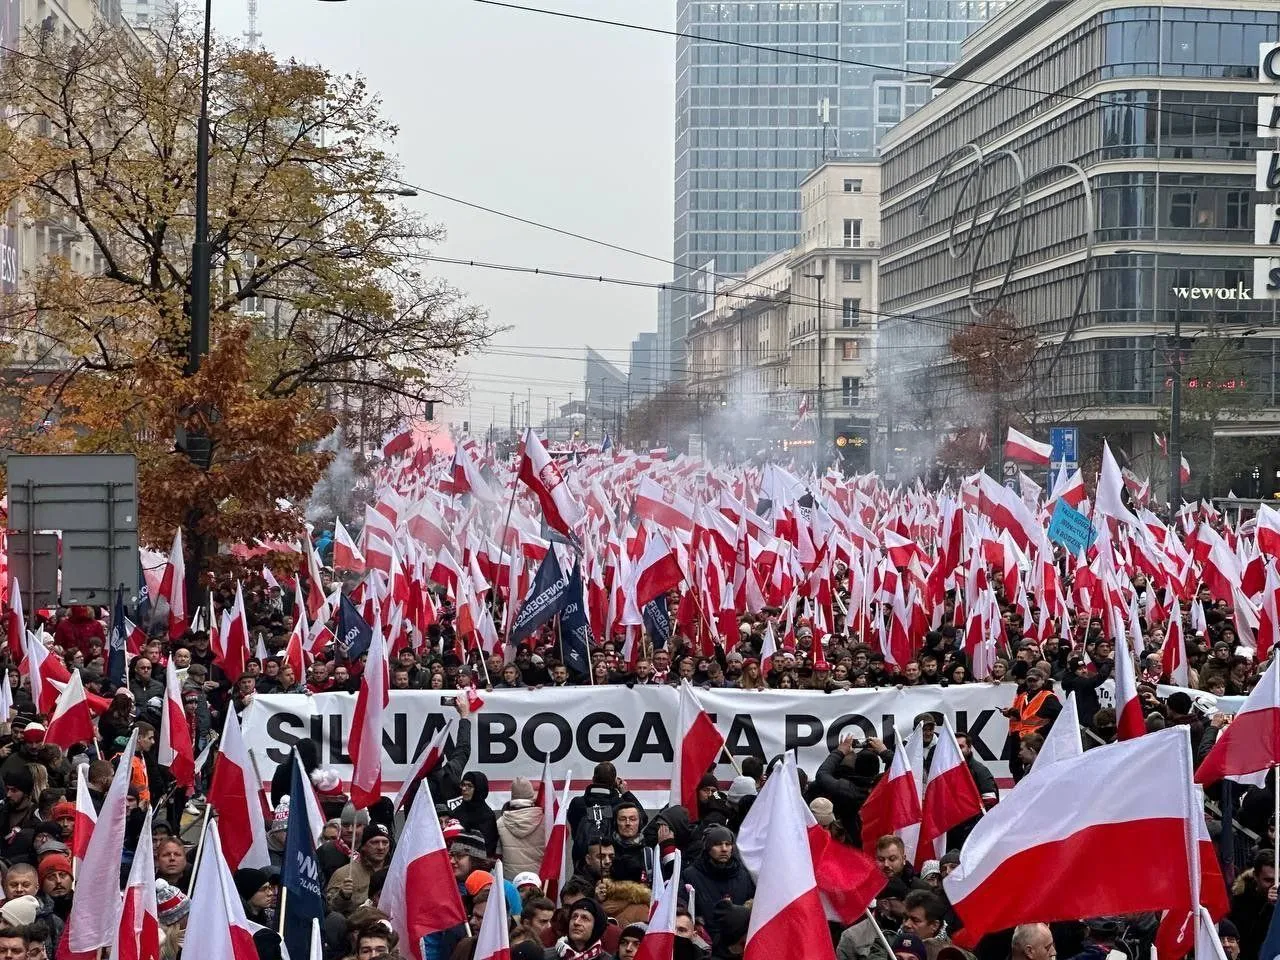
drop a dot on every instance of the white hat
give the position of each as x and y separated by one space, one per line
528 878
742 786
20 911
931 868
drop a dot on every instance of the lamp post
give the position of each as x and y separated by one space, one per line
819 277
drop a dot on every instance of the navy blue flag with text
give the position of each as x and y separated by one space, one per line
116 642
300 873
657 620
575 628
354 634
546 598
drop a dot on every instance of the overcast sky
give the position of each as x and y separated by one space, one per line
565 123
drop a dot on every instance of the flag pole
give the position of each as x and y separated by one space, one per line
506 528
204 832
879 933
284 899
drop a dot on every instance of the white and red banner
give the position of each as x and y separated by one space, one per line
632 727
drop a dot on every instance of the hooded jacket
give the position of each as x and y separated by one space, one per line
523 836
713 882
847 785
564 951
476 815
627 902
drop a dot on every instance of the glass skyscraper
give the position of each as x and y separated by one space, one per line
750 123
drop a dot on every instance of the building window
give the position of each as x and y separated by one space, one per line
1181 206
850 349
853 186
850 315
1239 203
850 388
851 271
853 233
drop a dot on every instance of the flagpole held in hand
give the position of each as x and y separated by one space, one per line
284 899
879 933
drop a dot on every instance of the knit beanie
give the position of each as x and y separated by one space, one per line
521 789
52 862
173 904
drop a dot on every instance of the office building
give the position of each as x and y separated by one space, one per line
644 373
605 393
751 123
1157 105
146 14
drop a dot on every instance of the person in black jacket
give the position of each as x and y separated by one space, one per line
605 792
282 779
718 874
446 779
1252 903
846 778
475 815
628 842
1085 685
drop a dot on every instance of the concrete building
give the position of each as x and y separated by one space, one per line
145 14
1156 105
605 393
751 123
644 373
800 328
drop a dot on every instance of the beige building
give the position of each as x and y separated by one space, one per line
799 329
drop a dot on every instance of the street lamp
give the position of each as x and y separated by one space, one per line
821 435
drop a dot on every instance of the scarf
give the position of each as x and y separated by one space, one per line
568 953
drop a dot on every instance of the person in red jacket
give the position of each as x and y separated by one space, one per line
78 629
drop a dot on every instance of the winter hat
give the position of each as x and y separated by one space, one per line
895 889
280 818
451 828
527 950
51 846
634 931
931 868
708 780
951 857
249 880
54 861
521 789
716 834
732 926
527 879
468 844
741 787
20 911
477 880
1225 928
63 809
20 779
908 943
32 733
327 782
822 811
373 831
352 817
172 902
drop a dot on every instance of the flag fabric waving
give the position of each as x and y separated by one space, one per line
300 874
1250 744
697 744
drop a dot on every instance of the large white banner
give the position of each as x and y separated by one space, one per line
632 727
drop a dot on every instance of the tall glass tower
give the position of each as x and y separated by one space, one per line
750 123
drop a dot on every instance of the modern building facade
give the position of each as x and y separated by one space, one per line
790 347
751 122
1115 289
146 14
605 394
645 371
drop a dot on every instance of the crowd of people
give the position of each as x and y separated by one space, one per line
620 847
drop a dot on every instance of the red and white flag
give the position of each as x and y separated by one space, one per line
231 643
787 907
235 791
95 910
541 474
664 507
493 942
1268 531
6 698
1130 721
557 858
421 864
893 807
659 940
697 744
657 571
173 587
768 649
72 721
217 921
138 932
174 749
950 797
1063 741
86 815
364 742
1018 446
430 760
43 671
346 556
398 444
1034 857
16 622
1173 655
1249 746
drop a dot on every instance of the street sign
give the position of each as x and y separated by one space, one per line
1066 445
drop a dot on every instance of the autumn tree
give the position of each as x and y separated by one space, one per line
995 354
321 299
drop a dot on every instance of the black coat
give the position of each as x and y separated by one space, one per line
713 882
1251 913
477 816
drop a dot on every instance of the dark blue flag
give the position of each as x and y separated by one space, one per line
575 628
546 598
116 642
657 620
142 609
300 873
354 634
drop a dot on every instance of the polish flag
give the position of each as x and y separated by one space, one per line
135 638
421 864
16 623
1249 746
138 932
1018 446
346 556
1268 633
1063 741
43 670
1184 469
657 571
173 587
399 444
697 744
174 749
430 760
1268 532
217 921
71 722
1175 935
95 910
659 940
493 941
893 807
6 698
86 815
542 475
1130 722
1108 499
467 477
231 647
364 742
1173 655
768 649
950 797
235 791
1069 489
1035 857
557 858
664 507
787 907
